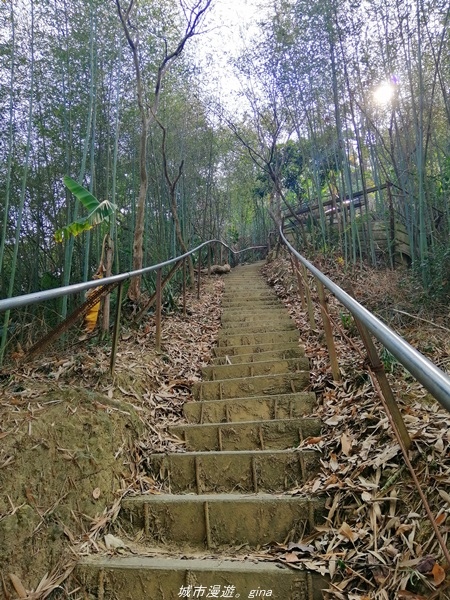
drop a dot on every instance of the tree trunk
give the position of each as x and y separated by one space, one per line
148 111
172 185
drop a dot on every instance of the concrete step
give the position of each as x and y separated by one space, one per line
250 316
258 385
249 302
213 520
276 434
278 406
259 356
267 337
246 309
255 284
275 323
255 348
249 294
233 471
254 329
273 367
245 305
246 292
147 578
243 291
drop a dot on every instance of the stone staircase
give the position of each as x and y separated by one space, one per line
226 496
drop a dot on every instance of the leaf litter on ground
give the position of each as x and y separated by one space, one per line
376 541
153 385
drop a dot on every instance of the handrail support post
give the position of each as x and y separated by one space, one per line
184 287
380 374
198 273
328 332
377 368
300 286
116 330
309 303
158 310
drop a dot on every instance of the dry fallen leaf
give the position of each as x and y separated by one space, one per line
380 574
18 586
308 549
313 440
438 574
426 564
441 518
347 532
334 464
346 444
439 445
291 557
445 496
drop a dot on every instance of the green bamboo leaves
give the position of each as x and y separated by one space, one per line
98 212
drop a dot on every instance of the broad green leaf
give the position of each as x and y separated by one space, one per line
101 213
89 201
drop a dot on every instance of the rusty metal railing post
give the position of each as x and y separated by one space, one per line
158 310
198 273
377 368
184 287
116 330
328 331
309 303
300 285
292 263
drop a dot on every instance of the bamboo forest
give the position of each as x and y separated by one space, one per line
335 98
254 400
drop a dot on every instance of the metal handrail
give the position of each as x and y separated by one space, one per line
427 373
35 297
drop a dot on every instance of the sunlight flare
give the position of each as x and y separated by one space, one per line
384 93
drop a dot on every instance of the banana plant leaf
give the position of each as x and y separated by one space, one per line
98 211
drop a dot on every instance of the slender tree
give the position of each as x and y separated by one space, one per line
148 103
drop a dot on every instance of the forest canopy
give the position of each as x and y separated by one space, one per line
334 98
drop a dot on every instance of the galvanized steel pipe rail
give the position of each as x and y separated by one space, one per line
430 376
35 297
107 284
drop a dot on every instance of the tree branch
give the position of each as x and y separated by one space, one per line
194 18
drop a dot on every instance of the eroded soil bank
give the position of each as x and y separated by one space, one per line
65 454
74 439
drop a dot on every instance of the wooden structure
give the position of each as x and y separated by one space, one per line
386 235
